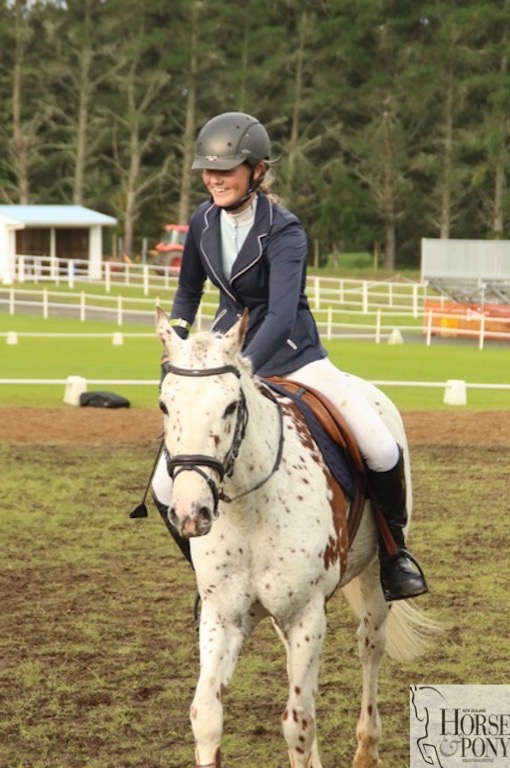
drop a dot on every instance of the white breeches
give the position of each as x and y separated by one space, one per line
376 443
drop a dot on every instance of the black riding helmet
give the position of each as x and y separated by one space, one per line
230 139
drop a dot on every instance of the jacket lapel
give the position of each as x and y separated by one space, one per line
210 246
251 251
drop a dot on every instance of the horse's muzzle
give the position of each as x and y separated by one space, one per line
198 524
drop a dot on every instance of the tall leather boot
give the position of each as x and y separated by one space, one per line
401 574
182 543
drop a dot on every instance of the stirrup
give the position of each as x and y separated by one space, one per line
399 582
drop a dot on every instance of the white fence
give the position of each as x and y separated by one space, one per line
364 295
455 391
367 320
343 308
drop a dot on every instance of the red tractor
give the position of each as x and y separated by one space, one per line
168 252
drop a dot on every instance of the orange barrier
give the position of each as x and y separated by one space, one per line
452 319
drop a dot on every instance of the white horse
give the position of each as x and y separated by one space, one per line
269 538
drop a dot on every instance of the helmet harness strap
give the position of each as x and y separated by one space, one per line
253 185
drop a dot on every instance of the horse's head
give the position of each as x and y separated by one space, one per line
205 417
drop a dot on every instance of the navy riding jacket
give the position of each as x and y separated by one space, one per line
268 278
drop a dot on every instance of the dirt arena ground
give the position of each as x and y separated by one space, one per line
124 426
90 678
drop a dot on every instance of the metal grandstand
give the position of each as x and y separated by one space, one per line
467 271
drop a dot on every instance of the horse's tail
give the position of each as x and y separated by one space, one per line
408 631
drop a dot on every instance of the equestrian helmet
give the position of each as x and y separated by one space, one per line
230 139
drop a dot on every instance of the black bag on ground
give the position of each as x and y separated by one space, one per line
103 400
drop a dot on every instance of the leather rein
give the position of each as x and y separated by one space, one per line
193 462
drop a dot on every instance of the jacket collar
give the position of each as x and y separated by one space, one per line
251 251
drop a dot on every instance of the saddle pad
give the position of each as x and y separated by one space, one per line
333 453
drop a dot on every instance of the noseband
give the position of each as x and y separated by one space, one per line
193 462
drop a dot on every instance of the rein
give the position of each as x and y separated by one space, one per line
224 469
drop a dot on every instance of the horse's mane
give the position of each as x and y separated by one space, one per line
204 347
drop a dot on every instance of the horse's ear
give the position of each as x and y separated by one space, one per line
165 331
233 340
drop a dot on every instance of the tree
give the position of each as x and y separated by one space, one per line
24 133
84 59
389 120
376 138
490 91
136 118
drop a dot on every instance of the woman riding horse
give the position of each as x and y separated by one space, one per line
255 252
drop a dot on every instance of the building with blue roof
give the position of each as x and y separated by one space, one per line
50 232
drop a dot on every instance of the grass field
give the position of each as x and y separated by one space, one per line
138 358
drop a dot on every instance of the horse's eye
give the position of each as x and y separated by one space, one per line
230 409
163 408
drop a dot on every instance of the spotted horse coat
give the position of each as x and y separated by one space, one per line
268 539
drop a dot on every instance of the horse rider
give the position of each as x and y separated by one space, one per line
254 251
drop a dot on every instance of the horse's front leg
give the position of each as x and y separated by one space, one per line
371 645
220 644
303 642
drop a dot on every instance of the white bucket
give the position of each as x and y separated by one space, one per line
455 392
75 386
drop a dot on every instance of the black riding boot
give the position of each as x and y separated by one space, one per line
182 543
401 574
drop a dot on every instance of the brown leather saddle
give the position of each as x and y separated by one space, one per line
333 423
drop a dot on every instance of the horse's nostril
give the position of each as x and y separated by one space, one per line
205 514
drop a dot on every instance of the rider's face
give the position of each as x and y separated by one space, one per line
227 187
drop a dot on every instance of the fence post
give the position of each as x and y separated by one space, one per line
119 309
329 331
378 326
415 300
11 301
45 303
21 269
455 392
482 331
429 327
365 297
70 274
108 277
75 386
82 307
145 280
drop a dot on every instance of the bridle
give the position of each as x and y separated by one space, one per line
193 462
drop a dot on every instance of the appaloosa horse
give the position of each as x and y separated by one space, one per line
269 538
